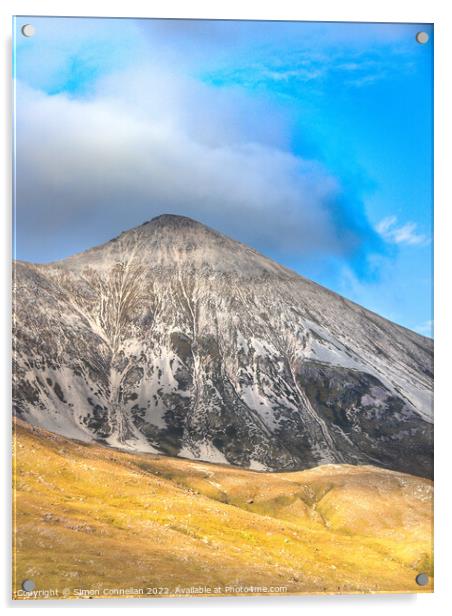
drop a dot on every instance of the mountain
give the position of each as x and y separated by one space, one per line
173 338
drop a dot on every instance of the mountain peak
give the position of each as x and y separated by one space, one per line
172 220
172 242
174 227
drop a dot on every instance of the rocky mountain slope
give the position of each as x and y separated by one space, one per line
173 338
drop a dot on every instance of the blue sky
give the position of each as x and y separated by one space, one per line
311 142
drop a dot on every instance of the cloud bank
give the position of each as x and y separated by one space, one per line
146 141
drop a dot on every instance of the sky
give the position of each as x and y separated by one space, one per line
311 142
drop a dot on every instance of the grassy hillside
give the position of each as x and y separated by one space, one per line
102 520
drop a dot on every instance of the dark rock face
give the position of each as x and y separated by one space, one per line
174 338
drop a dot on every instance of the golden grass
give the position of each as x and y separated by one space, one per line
94 518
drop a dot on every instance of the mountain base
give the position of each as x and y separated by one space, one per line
96 522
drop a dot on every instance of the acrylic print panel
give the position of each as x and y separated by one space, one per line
222 308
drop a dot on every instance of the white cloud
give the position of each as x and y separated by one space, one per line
406 233
122 147
148 142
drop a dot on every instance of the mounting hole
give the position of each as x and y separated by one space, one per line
28 585
422 37
28 30
422 579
